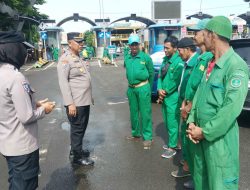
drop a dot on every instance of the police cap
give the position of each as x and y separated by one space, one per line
75 36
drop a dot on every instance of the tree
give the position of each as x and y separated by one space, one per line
22 8
89 38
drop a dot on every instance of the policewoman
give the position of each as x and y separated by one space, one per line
217 103
19 115
75 84
168 82
140 74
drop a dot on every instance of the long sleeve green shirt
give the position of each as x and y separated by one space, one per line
186 74
197 74
219 100
139 68
172 79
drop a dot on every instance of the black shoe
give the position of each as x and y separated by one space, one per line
83 161
84 153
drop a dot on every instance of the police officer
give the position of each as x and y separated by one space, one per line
216 105
75 84
19 115
193 83
187 51
140 74
168 82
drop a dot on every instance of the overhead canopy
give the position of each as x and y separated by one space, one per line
199 15
76 17
246 17
144 20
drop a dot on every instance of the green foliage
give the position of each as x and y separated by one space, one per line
23 8
89 38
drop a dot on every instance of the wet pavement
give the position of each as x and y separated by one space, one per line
119 164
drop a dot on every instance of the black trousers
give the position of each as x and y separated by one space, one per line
78 126
23 171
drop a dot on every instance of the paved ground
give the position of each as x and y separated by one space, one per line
119 164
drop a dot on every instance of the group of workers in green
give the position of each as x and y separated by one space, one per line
202 85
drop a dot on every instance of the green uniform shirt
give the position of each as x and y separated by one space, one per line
172 79
219 101
139 68
187 72
197 74
126 51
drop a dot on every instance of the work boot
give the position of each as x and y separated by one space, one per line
189 184
147 144
85 153
79 159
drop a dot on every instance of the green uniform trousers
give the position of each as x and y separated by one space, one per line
140 111
171 120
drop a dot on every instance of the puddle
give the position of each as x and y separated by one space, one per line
65 126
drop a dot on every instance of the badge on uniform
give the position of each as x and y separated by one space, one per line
143 62
81 69
235 82
26 86
202 68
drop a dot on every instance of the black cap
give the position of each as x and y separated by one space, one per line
11 37
185 42
75 36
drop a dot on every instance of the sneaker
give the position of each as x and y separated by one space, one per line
147 144
180 173
133 138
169 153
189 184
165 147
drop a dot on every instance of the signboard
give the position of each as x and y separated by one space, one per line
240 28
44 35
166 9
42 26
101 34
112 49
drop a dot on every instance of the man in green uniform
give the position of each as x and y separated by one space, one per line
192 85
125 51
216 105
187 51
140 74
168 82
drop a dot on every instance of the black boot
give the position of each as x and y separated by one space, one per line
79 159
85 153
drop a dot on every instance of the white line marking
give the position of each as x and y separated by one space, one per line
114 103
29 68
99 62
49 66
115 64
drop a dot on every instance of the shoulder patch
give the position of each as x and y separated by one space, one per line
26 86
235 82
202 68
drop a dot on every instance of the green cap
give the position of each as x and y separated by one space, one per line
200 25
220 25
